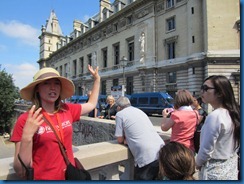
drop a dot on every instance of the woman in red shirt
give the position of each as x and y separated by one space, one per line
182 120
35 142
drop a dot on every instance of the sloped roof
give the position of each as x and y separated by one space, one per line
49 24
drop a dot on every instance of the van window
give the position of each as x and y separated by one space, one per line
143 100
163 102
170 100
154 100
133 101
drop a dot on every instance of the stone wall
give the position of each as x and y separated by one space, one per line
92 130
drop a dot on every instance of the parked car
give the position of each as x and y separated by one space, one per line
6 135
152 102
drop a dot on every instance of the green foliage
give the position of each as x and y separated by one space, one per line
8 93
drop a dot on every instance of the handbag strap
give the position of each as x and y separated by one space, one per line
22 163
197 117
61 146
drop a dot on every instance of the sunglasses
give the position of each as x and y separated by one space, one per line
206 88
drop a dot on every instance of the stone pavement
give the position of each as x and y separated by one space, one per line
6 147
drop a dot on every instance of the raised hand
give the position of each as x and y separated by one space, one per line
93 72
34 120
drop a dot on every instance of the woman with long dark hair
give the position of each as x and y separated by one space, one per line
217 158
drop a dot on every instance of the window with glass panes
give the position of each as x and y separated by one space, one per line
116 54
103 88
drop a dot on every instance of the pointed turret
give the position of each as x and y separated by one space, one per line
51 37
52 25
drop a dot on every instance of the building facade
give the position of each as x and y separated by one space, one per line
148 45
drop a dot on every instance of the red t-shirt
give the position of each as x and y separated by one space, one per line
48 161
184 127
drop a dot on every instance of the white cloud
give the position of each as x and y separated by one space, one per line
22 74
24 32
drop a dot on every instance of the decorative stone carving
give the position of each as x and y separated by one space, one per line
142 47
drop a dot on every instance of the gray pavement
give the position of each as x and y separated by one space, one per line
6 147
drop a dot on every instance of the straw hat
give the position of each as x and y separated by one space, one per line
45 74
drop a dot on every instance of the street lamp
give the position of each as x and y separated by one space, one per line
124 63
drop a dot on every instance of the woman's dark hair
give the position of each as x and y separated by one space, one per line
227 98
177 162
199 100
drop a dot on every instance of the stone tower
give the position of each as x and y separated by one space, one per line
51 37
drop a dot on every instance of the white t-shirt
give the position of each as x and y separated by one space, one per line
142 138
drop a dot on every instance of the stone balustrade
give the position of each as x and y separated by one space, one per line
97 149
104 160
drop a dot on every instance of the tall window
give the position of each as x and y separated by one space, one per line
61 70
66 70
81 65
89 59
170 23
131 50
115 82
171 78
74 67
116 8
103 88
105 57
116 54
170 3
129 85
171 50
129 19
116 27
193 39
104 15
193 70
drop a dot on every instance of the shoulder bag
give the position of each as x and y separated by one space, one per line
76 172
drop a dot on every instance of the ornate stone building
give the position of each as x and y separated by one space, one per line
154 45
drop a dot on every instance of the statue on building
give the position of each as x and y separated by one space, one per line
142 47
94 58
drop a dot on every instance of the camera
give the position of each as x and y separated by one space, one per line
169 111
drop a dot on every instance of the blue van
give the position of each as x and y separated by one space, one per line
82 99
152 102
102 99
74 99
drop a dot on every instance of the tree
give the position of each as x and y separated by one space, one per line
8 94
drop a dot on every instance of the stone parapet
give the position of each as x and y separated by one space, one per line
97 149
93 130
104 160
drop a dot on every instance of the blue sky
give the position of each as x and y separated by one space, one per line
20 26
